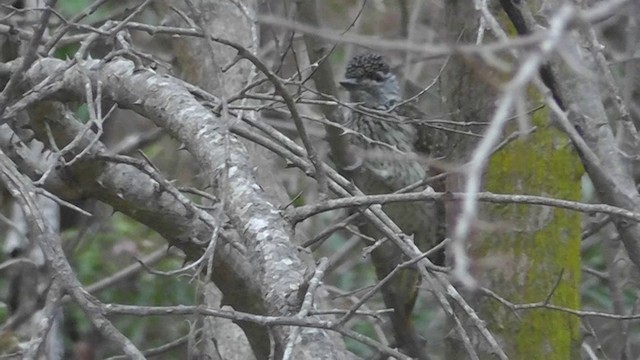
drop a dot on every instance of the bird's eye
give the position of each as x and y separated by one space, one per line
378 76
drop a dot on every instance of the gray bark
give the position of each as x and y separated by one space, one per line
278 273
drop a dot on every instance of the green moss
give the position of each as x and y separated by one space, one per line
541 244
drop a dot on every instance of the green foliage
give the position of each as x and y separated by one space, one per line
65 52
106 254
70 8
82 113
357 347
4 311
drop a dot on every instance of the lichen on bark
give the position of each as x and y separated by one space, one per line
533 253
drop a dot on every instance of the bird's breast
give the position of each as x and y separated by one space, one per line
388 155
385 132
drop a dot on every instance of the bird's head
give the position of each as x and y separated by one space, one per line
369 80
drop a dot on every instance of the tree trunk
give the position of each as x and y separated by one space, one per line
524 254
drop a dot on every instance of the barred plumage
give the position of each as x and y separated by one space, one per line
389 163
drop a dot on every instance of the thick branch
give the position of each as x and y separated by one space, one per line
280 270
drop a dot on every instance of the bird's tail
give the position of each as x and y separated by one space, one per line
399 293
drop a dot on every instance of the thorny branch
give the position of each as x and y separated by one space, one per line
21 189
83 77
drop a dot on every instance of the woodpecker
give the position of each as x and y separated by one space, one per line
388 162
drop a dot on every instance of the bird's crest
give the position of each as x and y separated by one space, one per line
366 66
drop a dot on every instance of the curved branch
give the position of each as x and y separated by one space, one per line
279 270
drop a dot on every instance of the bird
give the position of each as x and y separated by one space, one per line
388 160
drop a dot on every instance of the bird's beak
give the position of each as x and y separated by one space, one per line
349 84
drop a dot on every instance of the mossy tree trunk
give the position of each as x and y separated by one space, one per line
523 253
